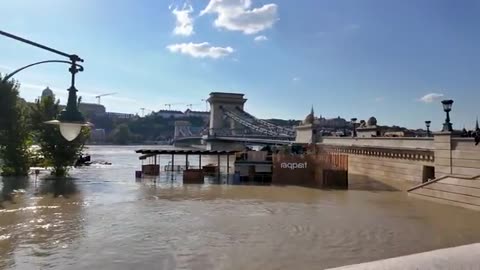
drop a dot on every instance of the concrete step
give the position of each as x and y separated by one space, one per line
475 192
448 196
475 183
437 200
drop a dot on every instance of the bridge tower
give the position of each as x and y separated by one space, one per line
229 101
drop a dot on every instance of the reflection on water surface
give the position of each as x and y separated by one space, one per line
104 219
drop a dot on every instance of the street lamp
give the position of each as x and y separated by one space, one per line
354 123
70 119
447 107
427 123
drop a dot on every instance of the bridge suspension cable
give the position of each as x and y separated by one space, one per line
250 122
253 127
280 130
247 123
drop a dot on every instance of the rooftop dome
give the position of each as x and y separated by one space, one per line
372 121
310 118
47 92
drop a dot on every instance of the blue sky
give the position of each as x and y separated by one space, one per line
353 58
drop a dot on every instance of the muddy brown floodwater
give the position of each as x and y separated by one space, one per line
104 219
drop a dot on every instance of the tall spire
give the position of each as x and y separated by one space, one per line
310 117
476 125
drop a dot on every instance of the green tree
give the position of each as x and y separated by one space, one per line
14 130
122 134
59 153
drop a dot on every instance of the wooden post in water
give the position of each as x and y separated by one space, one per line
186 161
155 163
228 166
218 167
160 161
173 161
200 161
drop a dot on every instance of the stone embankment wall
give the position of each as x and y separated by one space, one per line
407 159
457 156
403 159
448 166
384 159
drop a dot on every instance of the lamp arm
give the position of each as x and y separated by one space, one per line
6 78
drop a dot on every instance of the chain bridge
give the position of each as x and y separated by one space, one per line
230 126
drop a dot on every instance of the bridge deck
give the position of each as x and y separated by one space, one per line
252 140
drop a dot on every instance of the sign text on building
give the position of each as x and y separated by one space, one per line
293 165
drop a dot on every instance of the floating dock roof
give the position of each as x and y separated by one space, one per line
183 152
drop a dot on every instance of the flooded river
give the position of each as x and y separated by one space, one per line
104 219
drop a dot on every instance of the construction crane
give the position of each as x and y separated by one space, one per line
191 105
103 95
206 104
145 109
169 105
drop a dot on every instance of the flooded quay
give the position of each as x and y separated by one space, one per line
104 219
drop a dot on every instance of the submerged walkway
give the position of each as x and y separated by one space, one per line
462 257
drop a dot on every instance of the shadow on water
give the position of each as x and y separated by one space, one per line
58 187
12 186
367 183
355 182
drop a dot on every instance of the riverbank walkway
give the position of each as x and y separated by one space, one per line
458 258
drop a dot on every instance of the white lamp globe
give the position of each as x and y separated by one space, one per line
70 131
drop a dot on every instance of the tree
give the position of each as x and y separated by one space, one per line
14 130
122 134
59 153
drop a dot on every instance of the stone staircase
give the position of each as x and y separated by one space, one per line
451 189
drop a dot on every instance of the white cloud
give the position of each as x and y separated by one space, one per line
184 23
431 97
200 50
296 79
260 38
237 15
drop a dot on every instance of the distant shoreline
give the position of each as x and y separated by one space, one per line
113 144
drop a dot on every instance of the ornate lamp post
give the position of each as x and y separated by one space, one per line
427 124
70 119
354 124
447 107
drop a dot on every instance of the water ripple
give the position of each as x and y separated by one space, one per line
33 208
108 221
